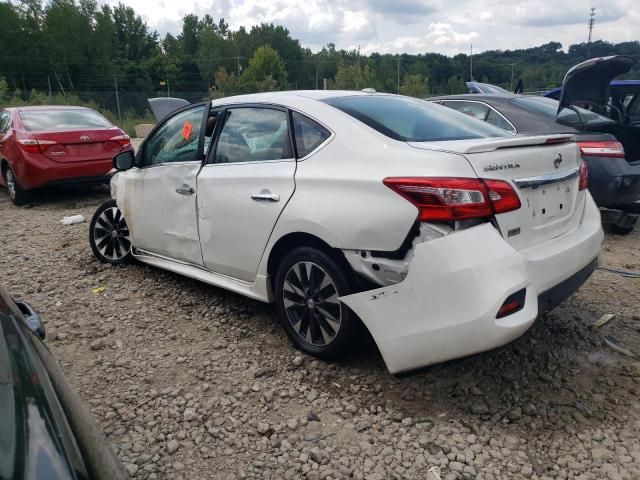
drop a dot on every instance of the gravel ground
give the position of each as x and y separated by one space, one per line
190 381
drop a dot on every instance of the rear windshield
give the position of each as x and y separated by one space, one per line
412 120
72 119
549 108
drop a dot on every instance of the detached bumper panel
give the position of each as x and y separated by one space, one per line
446 306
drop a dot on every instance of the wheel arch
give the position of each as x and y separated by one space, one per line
297 239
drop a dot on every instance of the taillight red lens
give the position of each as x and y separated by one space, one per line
123 140
601 149
451 199
584 176
31 145
502 195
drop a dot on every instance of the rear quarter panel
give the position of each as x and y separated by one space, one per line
339 194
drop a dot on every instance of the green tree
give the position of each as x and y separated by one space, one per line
265 70
455 84
353 77
4 89
414 86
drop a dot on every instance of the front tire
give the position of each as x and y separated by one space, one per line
109 235
307 287
17 195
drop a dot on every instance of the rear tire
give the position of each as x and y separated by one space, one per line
17 194
109 235
307 286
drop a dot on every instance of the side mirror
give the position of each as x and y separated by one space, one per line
124 160
32 319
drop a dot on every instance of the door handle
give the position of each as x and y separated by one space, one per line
266 197
185 190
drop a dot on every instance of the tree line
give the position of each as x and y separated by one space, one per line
77 47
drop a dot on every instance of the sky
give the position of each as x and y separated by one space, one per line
412 26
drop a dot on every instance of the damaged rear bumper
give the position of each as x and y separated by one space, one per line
446 306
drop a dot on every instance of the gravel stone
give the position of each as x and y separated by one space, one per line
190 381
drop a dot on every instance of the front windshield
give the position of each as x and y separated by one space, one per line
411 120
567 116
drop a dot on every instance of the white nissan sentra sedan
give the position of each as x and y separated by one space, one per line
441 235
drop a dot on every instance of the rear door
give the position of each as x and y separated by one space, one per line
243 188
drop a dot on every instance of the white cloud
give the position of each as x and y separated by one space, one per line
416 26
440 37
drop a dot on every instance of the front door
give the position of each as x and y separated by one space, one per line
247 181
158 195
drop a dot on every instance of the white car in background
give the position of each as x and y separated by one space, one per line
441 235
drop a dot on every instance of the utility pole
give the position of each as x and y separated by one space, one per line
238 62
49 82
471 62
115 81
316 74
398 74
512 76
168 89
592 20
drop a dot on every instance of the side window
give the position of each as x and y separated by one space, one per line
473 109
254 134
175 141
4 122
308 133
495 119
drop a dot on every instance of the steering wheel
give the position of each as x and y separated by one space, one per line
596 107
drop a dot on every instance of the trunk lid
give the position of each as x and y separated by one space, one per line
80 146
163 106
543 170
588 82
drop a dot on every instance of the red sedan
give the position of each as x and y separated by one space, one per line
61 145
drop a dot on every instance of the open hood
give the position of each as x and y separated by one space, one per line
163 106
588 82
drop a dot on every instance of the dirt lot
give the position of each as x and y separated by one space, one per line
190 381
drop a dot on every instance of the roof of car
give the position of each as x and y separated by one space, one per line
49 107
474 96
282 96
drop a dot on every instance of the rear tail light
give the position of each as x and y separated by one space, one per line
601 149
31 145
451 199
584 176
514 303
123 140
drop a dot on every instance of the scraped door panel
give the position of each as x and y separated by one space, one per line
159 199
161 220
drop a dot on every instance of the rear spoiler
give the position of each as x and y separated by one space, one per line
519 141
163 106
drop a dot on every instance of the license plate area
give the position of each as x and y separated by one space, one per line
85 148
551 203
